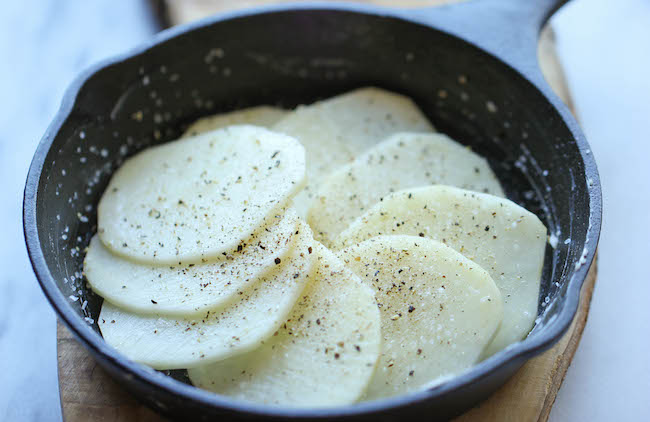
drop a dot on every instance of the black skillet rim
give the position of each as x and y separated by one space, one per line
519 352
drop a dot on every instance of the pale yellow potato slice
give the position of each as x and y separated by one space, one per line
194 198
438 310
503 238
184 290
324 355
325 148
336 130
240 326
403 160
365 116
265 116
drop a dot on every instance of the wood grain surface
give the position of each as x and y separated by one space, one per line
87 392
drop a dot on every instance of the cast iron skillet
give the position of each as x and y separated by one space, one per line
471 67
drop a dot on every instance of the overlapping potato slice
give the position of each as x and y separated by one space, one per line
183 290
195 198
324 355
503 238
240 326
365 116
325 149
265 116
404 160
335 130
438 310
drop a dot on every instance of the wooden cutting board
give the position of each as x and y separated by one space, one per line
88 394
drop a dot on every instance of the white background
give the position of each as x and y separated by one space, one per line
605 48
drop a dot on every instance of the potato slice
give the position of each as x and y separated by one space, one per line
402 161
187 290
195 198
365 116
438 310
176 343
323 356
265 116
336 130
505 239
325 149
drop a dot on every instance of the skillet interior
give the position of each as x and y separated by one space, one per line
296 57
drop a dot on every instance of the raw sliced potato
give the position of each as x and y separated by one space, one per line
186 290
324 355
438 310
177 343
204 263
404 160
265 116
195 198
503 238
335 130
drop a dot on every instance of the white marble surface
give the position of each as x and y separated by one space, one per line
605 47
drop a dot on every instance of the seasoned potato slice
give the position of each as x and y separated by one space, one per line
192 199
188 289
402 161
499 235
176 343
336 130
324 355
265 116
438 310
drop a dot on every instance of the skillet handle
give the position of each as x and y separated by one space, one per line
508 29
